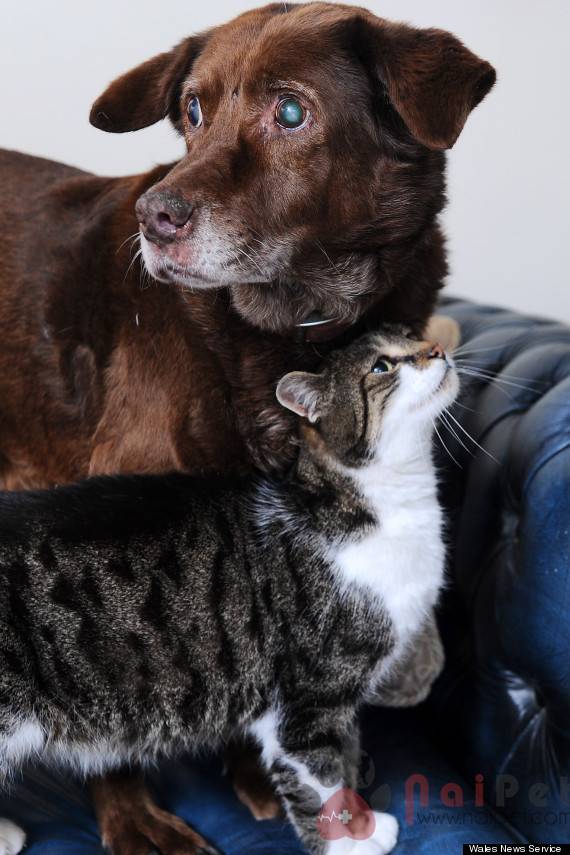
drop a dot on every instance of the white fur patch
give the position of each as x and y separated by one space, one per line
87 759
12 838
265 730
400 564
24 739
381 842
218 256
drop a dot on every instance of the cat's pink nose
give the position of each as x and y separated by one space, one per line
436 352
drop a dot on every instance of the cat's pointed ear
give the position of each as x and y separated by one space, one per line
443 330
303 393
148 93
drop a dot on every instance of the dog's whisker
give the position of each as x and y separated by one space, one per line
319 245
144 278
257 252
136 238
132 237
137 255
249 257
254 231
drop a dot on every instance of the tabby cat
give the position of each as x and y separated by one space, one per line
148 615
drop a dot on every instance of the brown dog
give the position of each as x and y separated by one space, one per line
312 184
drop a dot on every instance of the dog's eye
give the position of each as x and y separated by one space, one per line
290 113
381 366
194 112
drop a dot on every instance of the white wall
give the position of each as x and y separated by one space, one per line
509 174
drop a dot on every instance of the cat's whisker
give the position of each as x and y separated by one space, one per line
498 387
454 433
471 438
477 366
464 407
493 378
463 349
445 446
461 354
499 381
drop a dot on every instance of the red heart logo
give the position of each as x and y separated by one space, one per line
346 814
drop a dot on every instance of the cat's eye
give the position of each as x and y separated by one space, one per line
381 366
194 112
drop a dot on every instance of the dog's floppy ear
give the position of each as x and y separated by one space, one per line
432 80
149 92
444 330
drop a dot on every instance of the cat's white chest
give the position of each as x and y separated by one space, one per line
401 562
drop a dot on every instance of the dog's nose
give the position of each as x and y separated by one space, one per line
436 352
161 214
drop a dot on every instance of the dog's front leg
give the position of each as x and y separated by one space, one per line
131 824
250 780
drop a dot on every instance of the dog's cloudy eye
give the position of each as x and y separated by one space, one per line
195 112
381 366
290 113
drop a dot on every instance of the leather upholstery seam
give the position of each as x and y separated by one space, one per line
519 739
544 462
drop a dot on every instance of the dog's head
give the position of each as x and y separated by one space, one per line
314 170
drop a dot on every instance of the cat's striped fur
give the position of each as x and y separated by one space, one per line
147 615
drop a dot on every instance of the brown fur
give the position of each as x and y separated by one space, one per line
130 823
103 369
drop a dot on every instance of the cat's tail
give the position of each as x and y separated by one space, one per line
12 838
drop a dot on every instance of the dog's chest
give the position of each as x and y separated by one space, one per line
400 563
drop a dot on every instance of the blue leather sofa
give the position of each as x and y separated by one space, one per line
497 725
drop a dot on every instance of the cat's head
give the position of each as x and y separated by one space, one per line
381 394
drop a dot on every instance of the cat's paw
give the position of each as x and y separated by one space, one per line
382 841
385 835
12 838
